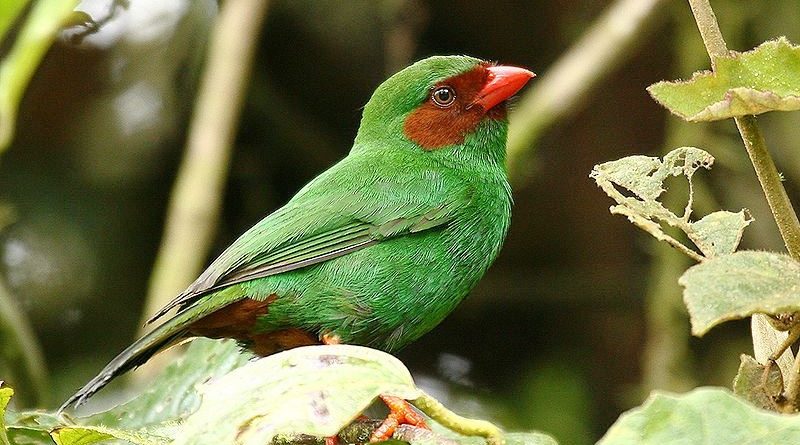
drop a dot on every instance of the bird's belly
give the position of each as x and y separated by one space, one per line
384 296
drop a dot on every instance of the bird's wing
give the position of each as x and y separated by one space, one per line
333 216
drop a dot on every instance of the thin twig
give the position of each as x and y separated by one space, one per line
559 92
197 195
770 180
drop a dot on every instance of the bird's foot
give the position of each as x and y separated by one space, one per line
330 339
400 413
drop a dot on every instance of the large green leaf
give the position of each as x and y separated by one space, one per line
735 286
764 79
173 395
704 416
314 390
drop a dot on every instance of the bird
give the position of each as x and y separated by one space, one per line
378 249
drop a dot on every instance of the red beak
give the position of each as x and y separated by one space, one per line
502 83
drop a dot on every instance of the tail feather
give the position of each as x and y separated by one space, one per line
169 333
166 335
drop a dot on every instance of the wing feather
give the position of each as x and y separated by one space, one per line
327 219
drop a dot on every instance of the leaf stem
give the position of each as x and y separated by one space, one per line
462 425
709 29
770 180
767 173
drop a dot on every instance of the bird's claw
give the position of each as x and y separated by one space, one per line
400 413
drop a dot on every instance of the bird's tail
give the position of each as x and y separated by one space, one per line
166 335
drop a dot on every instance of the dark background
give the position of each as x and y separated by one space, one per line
559 336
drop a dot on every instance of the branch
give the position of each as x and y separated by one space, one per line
196 200
18 66
603 48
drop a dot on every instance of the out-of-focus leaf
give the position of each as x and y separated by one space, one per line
173 396
757 384
764 79
17 68
313 390
704 416
720 233
738 285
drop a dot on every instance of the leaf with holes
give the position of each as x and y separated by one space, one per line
738 285
636 183
704 416
720 233
764 79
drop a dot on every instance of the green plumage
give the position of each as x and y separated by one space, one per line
378 249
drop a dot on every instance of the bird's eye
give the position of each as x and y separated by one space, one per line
443 97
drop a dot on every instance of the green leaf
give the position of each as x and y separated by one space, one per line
87 435
757 384
738 285
313 390
173 395
704 416
17 68
529 439
720 233
642 177
5 396
441 436
22 428
764 79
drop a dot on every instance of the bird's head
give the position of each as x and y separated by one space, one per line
449 104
